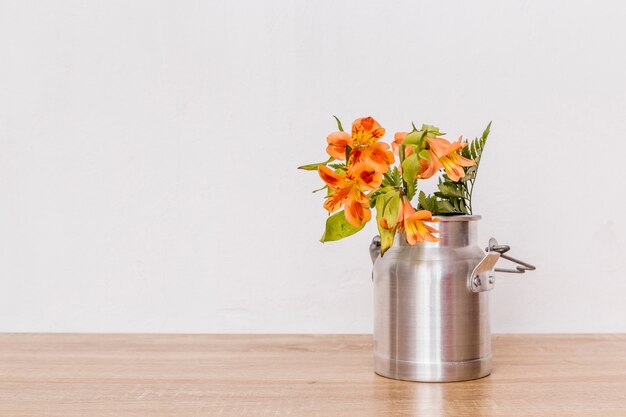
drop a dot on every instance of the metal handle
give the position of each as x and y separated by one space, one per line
375 248
502 249
483 276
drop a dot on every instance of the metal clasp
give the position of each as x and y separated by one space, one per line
502 249
483 277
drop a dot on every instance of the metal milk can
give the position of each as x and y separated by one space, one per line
431 304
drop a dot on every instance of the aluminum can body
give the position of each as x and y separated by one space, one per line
428 325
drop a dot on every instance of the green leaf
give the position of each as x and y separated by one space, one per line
444 206
386 239
338 123
486 131
374 195
412 189
474 150
313 167
392 178
337 227
434 130
450 190
410 168
427 203
320 189
338 166
372 198
414 138
465 152
422 201
395 174
388 206
424 154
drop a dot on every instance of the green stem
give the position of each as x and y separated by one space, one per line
470 196
402 156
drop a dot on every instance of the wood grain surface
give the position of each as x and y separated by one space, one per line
297 375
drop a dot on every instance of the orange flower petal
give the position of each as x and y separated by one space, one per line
432 229
366 131
357 212
440 146
398 138
451 161
417 231
367 175
337 142
330 177
335 199
425 215
383 223
461 160
377 154
430 166
407 208
454 171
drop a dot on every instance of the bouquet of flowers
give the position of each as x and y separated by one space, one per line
361 174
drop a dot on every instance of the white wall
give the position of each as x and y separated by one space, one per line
148 153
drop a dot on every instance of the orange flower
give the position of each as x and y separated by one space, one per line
366 131
429 167
364 144
377 154
397 141
443 154
337 143
347 187
413 224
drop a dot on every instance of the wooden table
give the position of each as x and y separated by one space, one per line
297 375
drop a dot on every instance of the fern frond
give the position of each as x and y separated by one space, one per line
475 151
480 143
337 166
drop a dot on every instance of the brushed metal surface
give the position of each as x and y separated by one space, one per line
428 325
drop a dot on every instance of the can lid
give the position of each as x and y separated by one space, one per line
459 218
